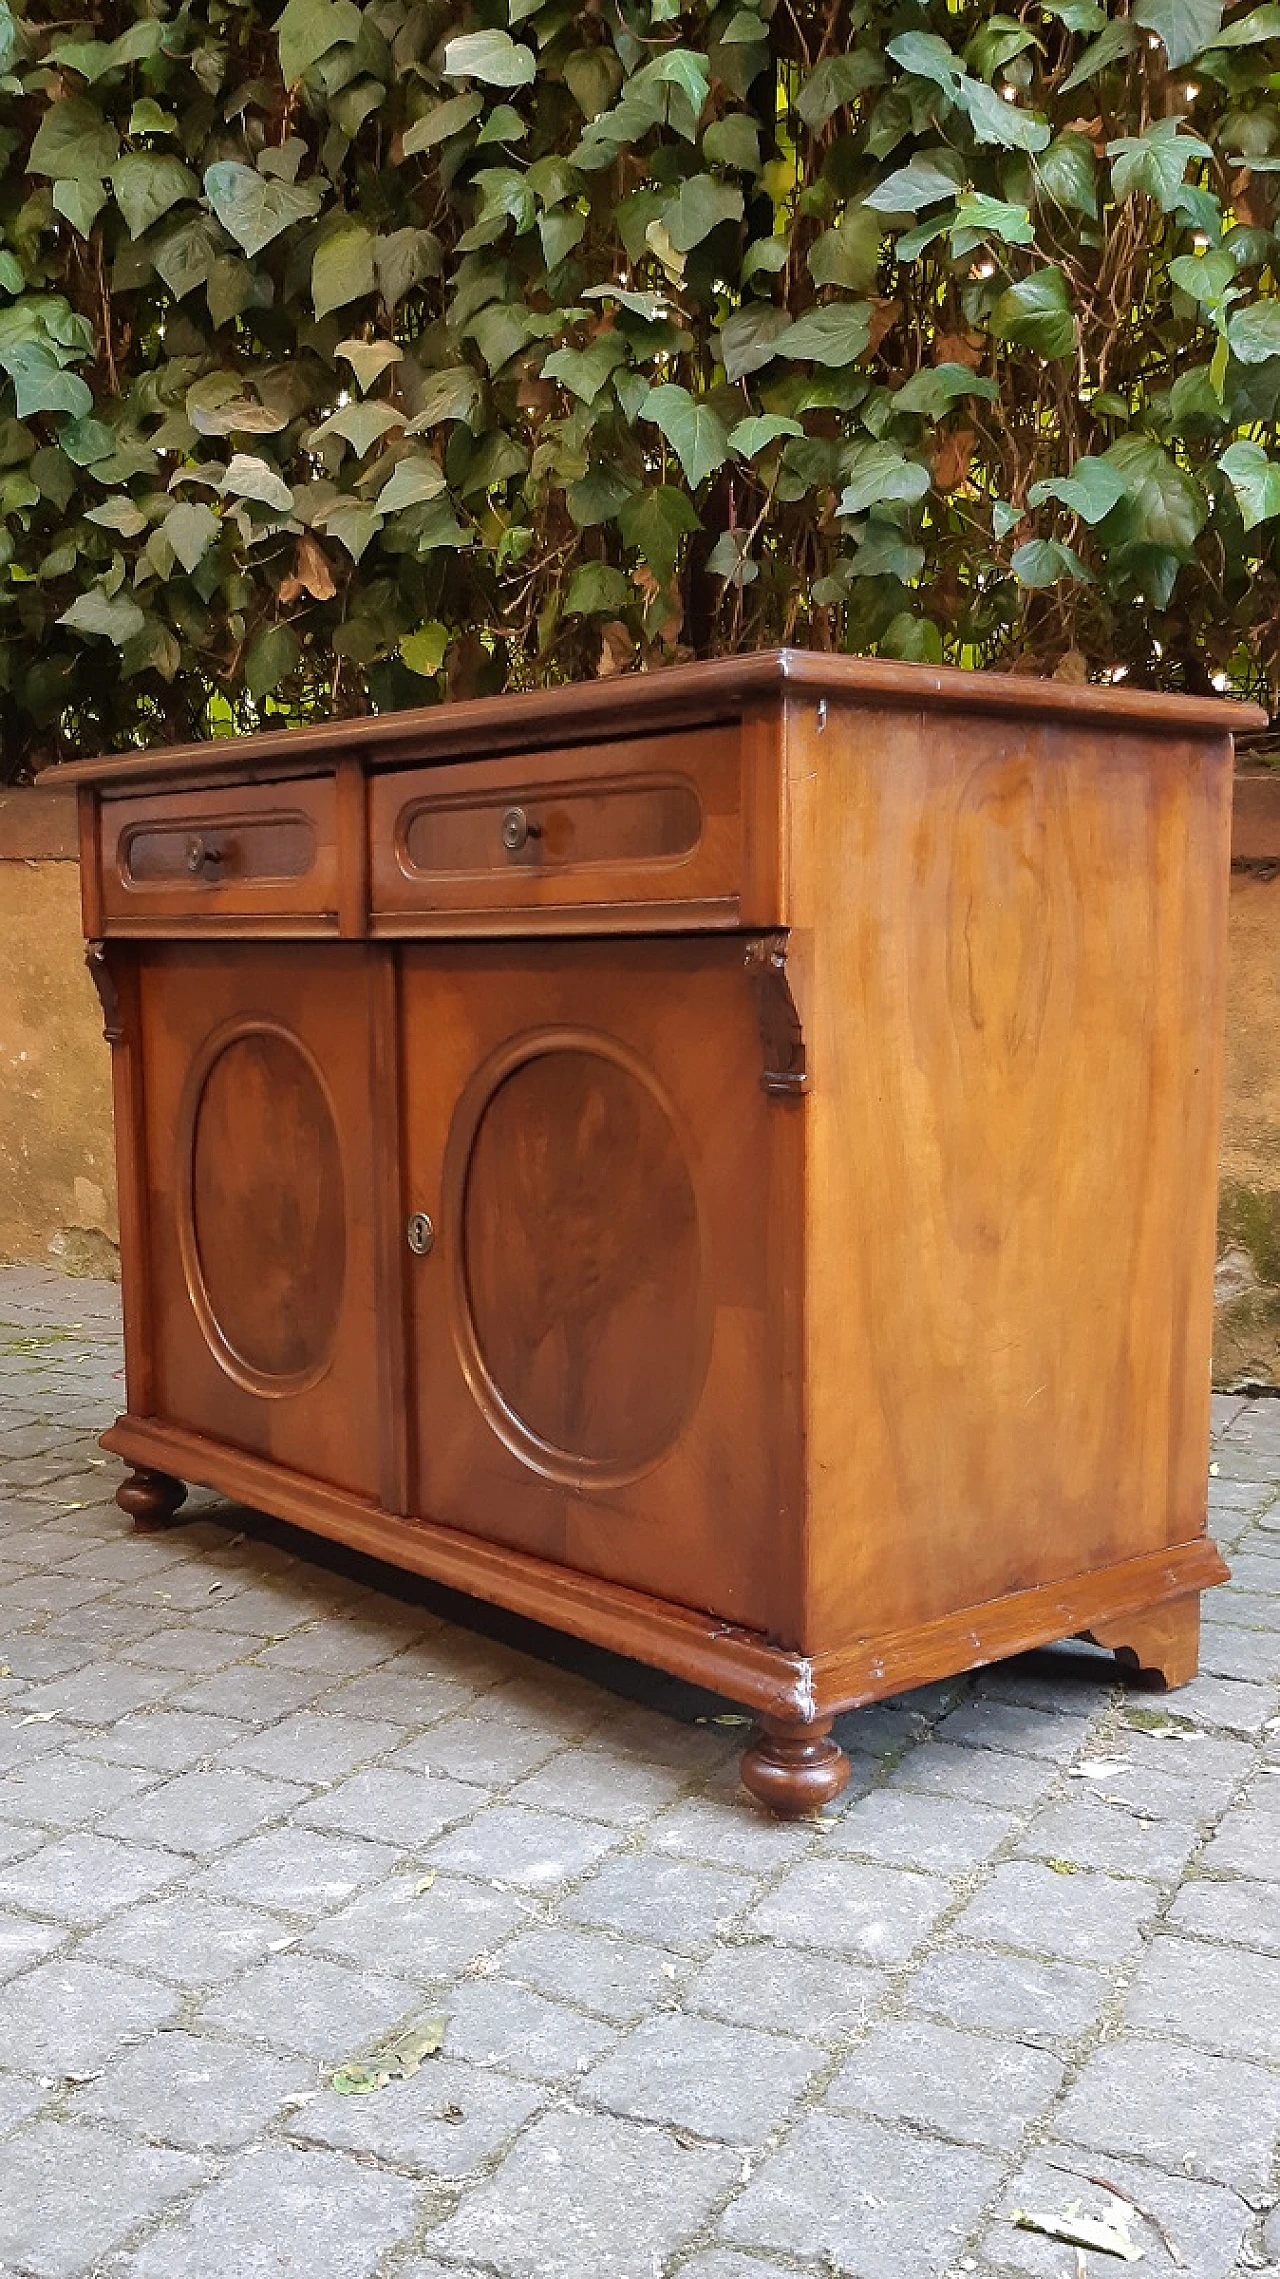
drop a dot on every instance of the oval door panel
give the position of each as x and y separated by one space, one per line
580 1261
265 1244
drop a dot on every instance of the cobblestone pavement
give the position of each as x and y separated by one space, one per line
262 1807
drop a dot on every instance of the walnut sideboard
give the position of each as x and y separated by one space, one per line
720 1161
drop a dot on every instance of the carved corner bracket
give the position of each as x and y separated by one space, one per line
95 957
781 1035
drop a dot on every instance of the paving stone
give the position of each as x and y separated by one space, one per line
432 1933
1246 1842
35 1658
1205 2222
67 2016
201 1812
1228 1652
493 2022
1226 1705
253 1695
184 1648
698 2074
69 2194
165 1740
1097 1835
1190 1776
98 1693
1078 1918
23 1942
18 2101
192 1941
880 1731
489 1746
722 2263
729 1830
39 1595
1051 2003
279 2208
880 1914
405 1698
823 1998
82 1878
585 2193
696 1750
1021 1732
68 1790
871 2199
1250 1610
314 1747
195 2092
616 1979
297 1869
536 1851
306 2003
673 1903
969 2087
447 2120
393 1807
1234 1911
903 1829
1225 2001
982 1774
588 1784
1197 2115
1070 1680
343 1649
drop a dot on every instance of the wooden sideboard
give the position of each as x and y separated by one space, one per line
721 1161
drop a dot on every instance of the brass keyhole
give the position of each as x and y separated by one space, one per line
419 1233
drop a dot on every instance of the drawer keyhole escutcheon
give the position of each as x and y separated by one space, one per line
517 830
201 851
420 1234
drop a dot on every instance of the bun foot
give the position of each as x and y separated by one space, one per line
1162 1643
151 1500
794 1769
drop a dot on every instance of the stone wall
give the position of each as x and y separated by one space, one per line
57 1197
57 1189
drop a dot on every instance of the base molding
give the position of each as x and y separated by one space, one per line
1120 1604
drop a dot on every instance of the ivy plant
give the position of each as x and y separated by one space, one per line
361 355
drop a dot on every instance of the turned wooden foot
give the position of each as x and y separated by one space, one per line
1162 1642
794 1769
151 1500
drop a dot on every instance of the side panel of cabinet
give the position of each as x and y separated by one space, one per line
258 1162
605 1354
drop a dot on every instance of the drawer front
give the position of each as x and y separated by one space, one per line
658 825
260 851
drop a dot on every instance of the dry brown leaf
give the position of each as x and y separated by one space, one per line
952 458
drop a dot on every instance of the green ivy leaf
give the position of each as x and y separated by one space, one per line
700 205
1255 479
1260 25
596 589
849 254
695 432
112 618
754 434
81 201
441 121
492 56
837 80
995 121
343 267
1186 27
978 216
926 56
1165 506
250 478
415 479
307 29
1155 161
1043 561
41 384
585 371
361 425
749 338
877 473
926 180
733 141
1092 488
654 523
1253 333
190 528
1067 173
836 334
1119 39
147 185
424 650
272 655
937 387
1037 313
251 208
73 142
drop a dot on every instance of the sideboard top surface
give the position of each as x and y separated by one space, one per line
676 696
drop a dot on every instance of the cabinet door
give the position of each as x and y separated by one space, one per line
601 1325
259 1179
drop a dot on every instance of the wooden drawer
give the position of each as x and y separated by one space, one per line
659 826
264 852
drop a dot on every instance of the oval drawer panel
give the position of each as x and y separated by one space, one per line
180 860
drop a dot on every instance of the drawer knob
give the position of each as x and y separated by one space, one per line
419 1234
517 830
199 852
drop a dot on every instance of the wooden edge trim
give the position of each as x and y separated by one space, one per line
850 1676
352 810
692 1646
88 837
673 695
